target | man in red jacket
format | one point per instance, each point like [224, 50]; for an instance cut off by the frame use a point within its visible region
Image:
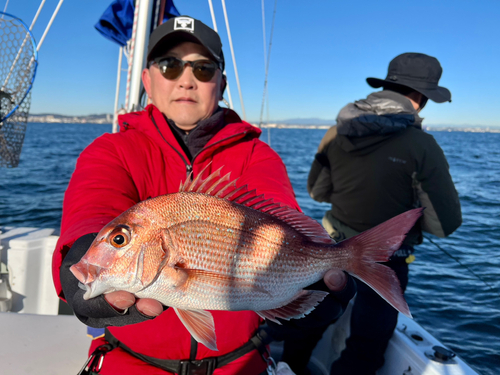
[179, 134]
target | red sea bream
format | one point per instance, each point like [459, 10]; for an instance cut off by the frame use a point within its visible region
[212, 246]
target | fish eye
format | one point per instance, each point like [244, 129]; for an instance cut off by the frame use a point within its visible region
[119, 237]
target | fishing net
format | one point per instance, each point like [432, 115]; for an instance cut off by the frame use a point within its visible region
[18, 63]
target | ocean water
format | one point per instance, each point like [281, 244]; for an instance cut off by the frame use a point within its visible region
[458, 303]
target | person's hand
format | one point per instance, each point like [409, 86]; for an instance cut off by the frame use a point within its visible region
[335, 279]
[121, 301]
[113, 309]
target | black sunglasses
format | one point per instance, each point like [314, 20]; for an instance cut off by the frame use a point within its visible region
[171, 68]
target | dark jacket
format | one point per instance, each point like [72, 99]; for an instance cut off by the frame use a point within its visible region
[377, 162]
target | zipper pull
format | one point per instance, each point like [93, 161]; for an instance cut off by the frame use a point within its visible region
[189, 170]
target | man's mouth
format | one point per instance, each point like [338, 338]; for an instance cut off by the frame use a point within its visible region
[185, 100]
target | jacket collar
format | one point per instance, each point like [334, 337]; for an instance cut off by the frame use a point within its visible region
[153, 123]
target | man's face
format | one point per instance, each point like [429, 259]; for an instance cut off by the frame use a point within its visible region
[184, 100]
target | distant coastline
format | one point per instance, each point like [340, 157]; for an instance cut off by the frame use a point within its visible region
[105, 118]
[312, 123]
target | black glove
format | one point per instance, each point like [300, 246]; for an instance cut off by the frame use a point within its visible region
[326, 313]
[95, 312]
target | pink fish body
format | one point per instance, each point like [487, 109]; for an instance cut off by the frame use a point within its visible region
[214, 247]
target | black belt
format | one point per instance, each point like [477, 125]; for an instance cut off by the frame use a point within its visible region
[205, 366]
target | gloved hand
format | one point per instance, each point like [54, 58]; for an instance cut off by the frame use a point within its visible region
[342, 289]
[113, 309]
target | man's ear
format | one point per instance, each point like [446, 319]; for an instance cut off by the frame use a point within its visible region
[223, 84]
[146, 81]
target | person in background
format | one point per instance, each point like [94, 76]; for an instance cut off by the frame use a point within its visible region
[182, 132]
[376, 163]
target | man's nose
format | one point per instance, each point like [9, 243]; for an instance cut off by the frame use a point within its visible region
[187, 79]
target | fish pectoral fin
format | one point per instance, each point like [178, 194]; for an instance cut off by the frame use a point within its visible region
[200, 324]
[299, 306]
[170, 247]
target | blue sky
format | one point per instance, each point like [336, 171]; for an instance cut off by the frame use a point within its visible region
[322, 52]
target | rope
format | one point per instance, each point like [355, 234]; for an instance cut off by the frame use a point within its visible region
[267, 65]
[463, 265]
[230, 104]
[234, 59]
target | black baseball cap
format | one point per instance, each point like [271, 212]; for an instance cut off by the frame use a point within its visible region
[185, 28]
[417, 71]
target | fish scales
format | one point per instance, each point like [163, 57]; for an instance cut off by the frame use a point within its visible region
[258, 252]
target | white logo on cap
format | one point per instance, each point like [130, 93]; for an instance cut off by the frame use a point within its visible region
[184, 23]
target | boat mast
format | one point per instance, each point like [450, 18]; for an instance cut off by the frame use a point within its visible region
[142, 25]
[136, 59]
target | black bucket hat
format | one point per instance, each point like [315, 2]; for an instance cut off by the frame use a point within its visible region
[185, 28]
[417, 71]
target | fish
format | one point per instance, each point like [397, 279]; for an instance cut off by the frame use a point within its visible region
[216, 246]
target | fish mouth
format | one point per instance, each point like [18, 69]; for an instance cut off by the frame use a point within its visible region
[87, 275]
[95, 289]
[85, 272]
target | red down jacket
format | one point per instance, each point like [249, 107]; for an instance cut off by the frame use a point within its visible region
[119, 170]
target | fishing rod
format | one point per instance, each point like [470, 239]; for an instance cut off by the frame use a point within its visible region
[463, 265]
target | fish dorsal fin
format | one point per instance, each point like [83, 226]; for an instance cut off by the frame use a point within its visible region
[224, 187]
[200, 324]
[302, 304]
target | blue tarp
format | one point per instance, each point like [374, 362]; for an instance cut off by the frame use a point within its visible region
[117, 20]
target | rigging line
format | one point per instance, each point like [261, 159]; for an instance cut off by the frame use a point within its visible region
[264, 32]
[49, 24]
[213, 14]
[37, 14]
[463, 265]
[5, 8]
[230, 104]
[234, 59]
[267, 64]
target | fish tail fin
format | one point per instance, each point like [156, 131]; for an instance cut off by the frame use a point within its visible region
[378, 245]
